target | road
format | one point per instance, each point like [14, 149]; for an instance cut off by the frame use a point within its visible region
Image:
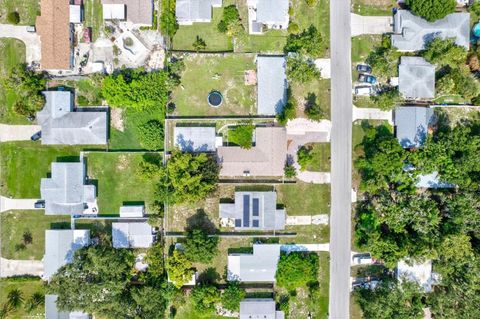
[341, 158]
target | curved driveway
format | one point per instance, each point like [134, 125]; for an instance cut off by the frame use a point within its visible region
[31, 40]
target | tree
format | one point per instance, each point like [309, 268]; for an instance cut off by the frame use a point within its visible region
[230, 23]
[387, 98]
[168, 21]
[289, 111]
[36, 300]
[313, 110]
[290, 171]
[297, 269]
[305, 156]
[15, 298]
[150, 135]
[155, 261]
[205, 297]
[200, 247]
[13, 17]
[179, 269]
[432, 10]
[199, 44]
[459, 81]
[301, 70]
[232, 295]
[309, 42]
[187, 178]
[293, 28]
[384, 59]
[445, 52]
[242, 135]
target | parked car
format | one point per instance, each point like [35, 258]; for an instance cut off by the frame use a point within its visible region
[363, 90]
[367, 78]
[39, 204]
[36, 136]
[364, 68]
[362, 259]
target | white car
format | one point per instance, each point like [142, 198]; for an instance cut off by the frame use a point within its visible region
[363, 90]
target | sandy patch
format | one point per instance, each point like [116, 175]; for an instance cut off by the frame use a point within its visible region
[116, 118]
[122, 162]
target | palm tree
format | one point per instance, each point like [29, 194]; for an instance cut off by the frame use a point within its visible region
[34, 301]
[5, 311]
[15, 298]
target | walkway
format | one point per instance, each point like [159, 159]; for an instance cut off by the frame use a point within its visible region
[372, 114]
[7, 204]
[31, 40]
[305, 247]
[370, 24]
[9, 267]
[307, 220]
[9, 133]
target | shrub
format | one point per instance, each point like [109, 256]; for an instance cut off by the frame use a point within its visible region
[290, 171]
[309, 42]
[293, 28]
[313, 110]
[232, 296]
[128, 41]
[459, 81]
[150, 135]
[13, 17]
[36, 300]
[311, 3]
[242, 135]
[179, 269]
[305, 157]
[205, 297]
[199, 44]
[431, 10]
[199, 247]
[297, 269]
[289, 111]
[168, 21]
[230, 23]
[301, 70]
[387, 98]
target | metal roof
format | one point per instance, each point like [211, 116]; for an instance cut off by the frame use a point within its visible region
[272, 84]
[261, 266]
[138, 12]
[189, 11]
[194, 139]
[259, 308]
[132, 235]
[273, 12]
[412, 33]
[113, 11]
[132, 211]
[75, 13]
[51, 311]
[416, 78]
[432, 180]
[416, 272]
[411, 124]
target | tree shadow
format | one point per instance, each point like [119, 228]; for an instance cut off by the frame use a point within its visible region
[200, 220]
[209, 276]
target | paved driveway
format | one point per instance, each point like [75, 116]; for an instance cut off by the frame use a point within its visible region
[9, 268]
[307, 220]
[9, 133]
[31, 40]
[371, 114]
[324, 66]
[370, 24]
[7, 204]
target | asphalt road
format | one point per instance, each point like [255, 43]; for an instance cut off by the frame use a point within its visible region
[341, 159]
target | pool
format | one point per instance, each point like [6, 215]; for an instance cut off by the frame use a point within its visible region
[476, 30]
[215, 99]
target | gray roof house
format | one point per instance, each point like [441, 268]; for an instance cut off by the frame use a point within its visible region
[189, 11]
[195, 139]
[60, 246]
[412, 124]
[420, 273]
[52, 312]
[132, 235]
[139, 12]
[412, 33]
[272, 84]
[65, 192]
[261, 266]
[254, 211]
[259, 308]
[416, 78]
[266, 158]
[61, 124]
[270, 13]
[432, 180]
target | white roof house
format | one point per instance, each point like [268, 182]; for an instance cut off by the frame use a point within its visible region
[132, 235]
[419, 273]
[272, 84]
[189, 11]
[52, 312]
[259, 308]
[75, 13]
[132, 211]
[270, 13]
[195, 139]
[261, 266]
[416, 78]
[138, 12]
[113, 11]
[60, 246]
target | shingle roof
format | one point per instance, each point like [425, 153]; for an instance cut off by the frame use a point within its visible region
[412, 123]
[272, 84]
[53, 27]
[416, 78]
[273, 12]
[62, 125]
[412, 33]
[138, 11]
[189, 11]
[260, 266]
[255, 211]
[259, 308]
[132, 235]
[266, 158]
[51, 311]
[60, 246]
[195, 139]
[65, 192]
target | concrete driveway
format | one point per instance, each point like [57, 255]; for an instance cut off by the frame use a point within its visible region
[10, 133]
[324, 66]
[9, 268]
[370, 24]
[31, 40]
[307, 220]
[7, 204]
[372, 114]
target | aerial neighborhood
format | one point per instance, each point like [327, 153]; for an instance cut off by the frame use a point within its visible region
[214, 159]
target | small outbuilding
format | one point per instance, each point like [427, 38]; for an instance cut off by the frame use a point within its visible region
[132, 211]
[264, 308]
[420, 273]
[52, 312]
[195, 138]
[188, 12]
[272, 84]
[132, 235]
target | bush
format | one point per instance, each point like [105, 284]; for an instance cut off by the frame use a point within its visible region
[199, 44]
[293, 28]
[297, 269]
[168, 21]
[305, 157]
[309, 42]
[232, 296]
[387, 98]
[459, 81]
[242, 135]
[290, 171]
[313, 110]
[13, 17]
[431, 10]
[230, 23]
[199, 247]
[311, 3]
[205, 297]
[289, 111]
[179, 269]
[128, 41]
[301, 70]
[150, 135]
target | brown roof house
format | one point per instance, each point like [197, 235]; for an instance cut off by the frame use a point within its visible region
[139, 12]
[266, 158]
[56, 34]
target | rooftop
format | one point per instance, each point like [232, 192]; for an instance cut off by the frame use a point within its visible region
[412, 33]
[132, 211]
[51, 310]
[132, 235]
[272, 84]
[273, 12]
[261, 266]
[432, 180]
[189, 11]
[195, 139]
[420, 273]
[412, 124]
[259, 308]
[416, 78]
[138, 12]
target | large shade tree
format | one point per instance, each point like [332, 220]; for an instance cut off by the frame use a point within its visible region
[432, 10]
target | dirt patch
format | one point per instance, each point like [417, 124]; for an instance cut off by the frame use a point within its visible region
[122, 163]
[116, 118]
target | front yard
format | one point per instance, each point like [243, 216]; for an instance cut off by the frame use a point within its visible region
[27, 10]
[304, 198]
[373, 7]
[28, 286]
[315, 92]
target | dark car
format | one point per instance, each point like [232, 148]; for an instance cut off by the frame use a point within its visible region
[39, 204]
[367, 78]
[36, 136]
[365, 68]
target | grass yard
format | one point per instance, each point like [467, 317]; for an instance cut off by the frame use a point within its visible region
[12, 52]
[117, 181]
[316, 91]
[28, 286]
[27, 9]
[23, 164]
[363, 102]
[373, 7]
[93, 12]
[307, 234]
[364, 44]
[186, 310]
[304, 198]
[272, 41]
[321, 158]
[14, 224]
[222, 73]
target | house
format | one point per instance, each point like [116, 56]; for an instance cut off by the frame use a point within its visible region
[416, 78]
[256, 308]
[412, 124]
[261, 266]
[272, 14]
[132, 235]
[66, 191]
[56, 34]
[272, 84]
[432, 180]
[138, 12]
[189, 11]
[62, 124]
[132, 211]
[254, 211]
[195, 138]
[52, 312]
[60, 245]
[266, 158]
[416, 272]
[412, 33]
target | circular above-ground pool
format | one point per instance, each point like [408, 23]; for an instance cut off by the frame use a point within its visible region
[215, 99]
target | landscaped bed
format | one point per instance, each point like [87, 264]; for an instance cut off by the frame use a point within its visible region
[27, 286]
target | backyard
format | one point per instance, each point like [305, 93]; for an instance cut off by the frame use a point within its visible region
[117, 180]
[93, 17]
[27, 10]
[221, 73]
[27, 286]
[23, 233]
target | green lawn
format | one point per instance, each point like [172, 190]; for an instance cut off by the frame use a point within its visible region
[363, 102]
[115, 175]
[272, 41]
[321, 158]
[28, 286]
[27, 9]
[14, 224]
[93, 12]
[186, 310]
[304, 198]
[373, 7]
[362, 46]
[307, 234]
[223, 73]
[23, 164]
[317, 90]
